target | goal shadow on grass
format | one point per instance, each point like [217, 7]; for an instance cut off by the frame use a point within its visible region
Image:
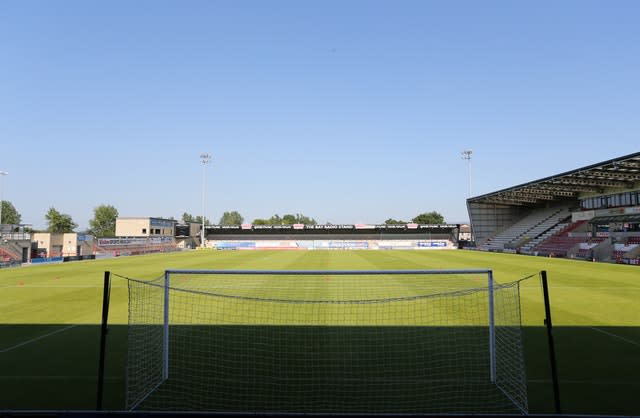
[323, 369]
[599, 372]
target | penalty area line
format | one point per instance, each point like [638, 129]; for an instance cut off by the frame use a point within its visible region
[56, 377]
[587, 382]
[32, 340]
[619, 337]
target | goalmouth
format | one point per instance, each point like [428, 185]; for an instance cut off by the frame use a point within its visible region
[317, 341]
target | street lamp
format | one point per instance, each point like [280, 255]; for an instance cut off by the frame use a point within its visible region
[466, 155]
[2, 174]
[205, 159]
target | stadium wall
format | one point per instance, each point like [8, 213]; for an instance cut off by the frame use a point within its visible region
[331, 244]
[332, 237]
[123, 246]
[145, 227]
[71, 244]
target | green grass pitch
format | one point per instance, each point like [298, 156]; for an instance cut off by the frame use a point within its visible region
[50, 315]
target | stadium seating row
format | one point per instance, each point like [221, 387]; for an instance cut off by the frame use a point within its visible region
[527, 229]
[550, 232]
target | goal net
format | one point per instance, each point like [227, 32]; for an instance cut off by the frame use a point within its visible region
[428, 341]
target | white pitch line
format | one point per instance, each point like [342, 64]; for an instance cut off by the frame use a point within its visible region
[58, 286]
[619, 289]
[57, 378]
[545, 381]
[588, 382]
[37, 338]
[637, 344]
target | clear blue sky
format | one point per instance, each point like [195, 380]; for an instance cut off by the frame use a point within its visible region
[345, 111]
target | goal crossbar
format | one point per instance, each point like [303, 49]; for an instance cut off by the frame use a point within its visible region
[329, 272]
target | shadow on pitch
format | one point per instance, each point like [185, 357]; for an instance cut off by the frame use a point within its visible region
[54, 367]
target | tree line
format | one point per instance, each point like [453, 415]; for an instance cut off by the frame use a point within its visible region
[235, 218]
[103, 223]
[427, 218]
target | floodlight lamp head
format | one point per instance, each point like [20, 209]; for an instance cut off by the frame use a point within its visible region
[466, 154]
[205, 158]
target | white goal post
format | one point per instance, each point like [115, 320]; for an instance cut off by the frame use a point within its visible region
[327, 341]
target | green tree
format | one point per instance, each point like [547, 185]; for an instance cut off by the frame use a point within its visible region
[231, 218]
[103, 223]
[429, 218]
[391, 221]
[198, 220]
[301, 219]
[10, 215]
[59, 222]
[289, 219]
[187, 217]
